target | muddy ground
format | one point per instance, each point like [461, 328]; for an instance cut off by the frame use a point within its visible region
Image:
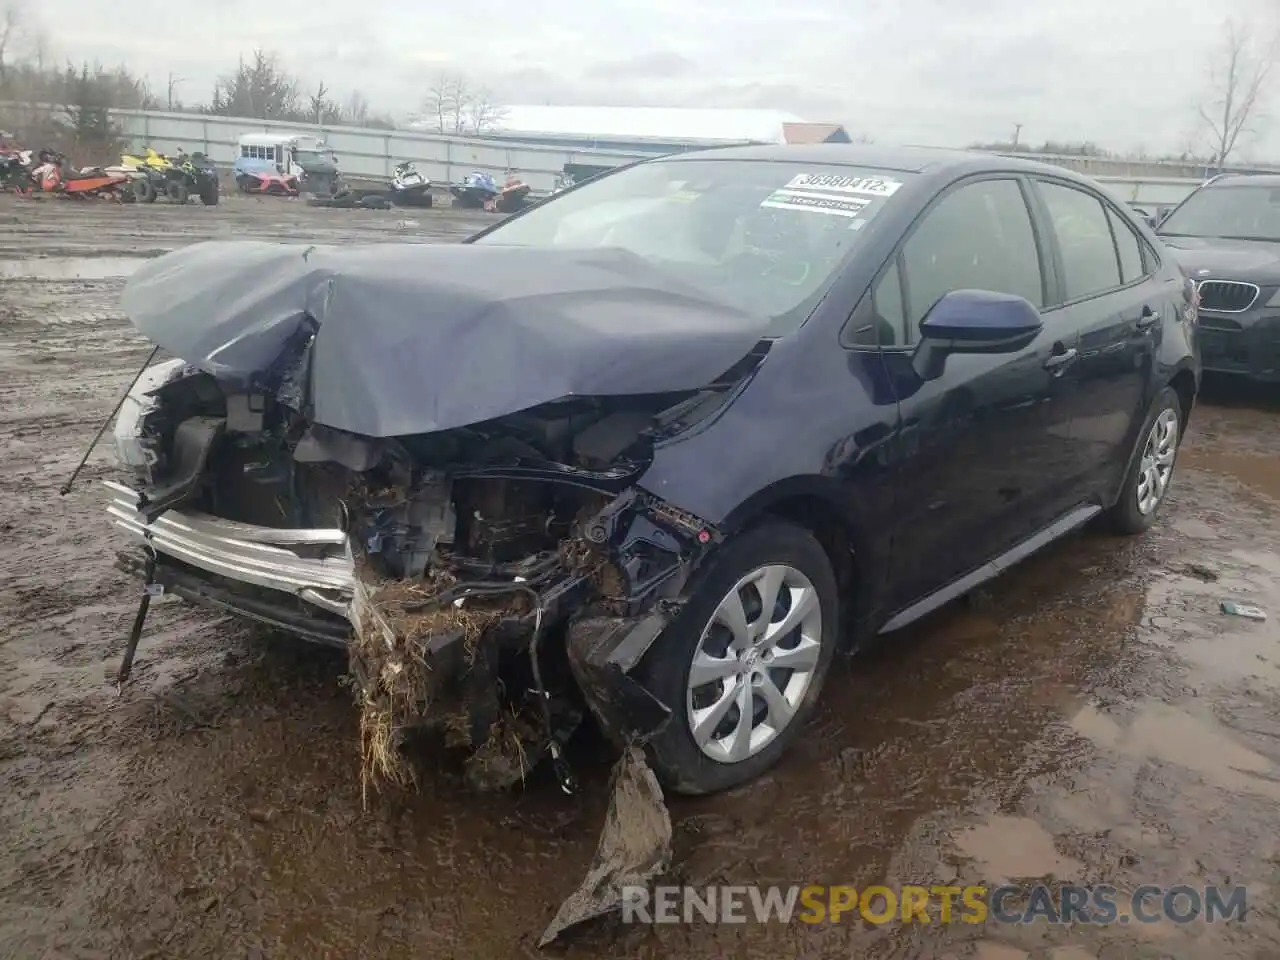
[1092, 717]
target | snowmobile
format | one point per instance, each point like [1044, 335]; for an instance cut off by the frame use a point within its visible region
[479, 191]
[55, 175]
[409, 188]
[475, 192]
[15, 172]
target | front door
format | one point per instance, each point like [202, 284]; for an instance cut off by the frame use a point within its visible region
[981, 449]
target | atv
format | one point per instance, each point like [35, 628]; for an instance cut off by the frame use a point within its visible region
[155, 175]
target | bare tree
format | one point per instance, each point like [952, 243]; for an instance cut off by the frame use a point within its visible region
[454, 106]
[357, 109]
[321, 109]
[448, 103]
[10, 26]
[1238, 83]
[482, 112]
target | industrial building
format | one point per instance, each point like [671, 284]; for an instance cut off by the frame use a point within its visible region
[655, 130]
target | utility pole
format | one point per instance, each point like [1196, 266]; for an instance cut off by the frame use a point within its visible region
[1017, 133]
[173, 85]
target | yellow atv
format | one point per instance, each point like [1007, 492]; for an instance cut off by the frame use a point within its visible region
[156, 174]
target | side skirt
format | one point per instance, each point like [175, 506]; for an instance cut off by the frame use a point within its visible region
[958, 588]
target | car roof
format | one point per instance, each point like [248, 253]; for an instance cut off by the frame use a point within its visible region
[1245, 180]
[904, 159]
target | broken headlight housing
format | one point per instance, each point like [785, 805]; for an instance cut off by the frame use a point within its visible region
[135, 449]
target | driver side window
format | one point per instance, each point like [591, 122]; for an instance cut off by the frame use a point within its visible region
[978, 237]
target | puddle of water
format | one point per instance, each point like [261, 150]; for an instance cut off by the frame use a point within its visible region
[70, 268]
[1161, 732]
[1070, 953]
[1195, 528]
[1187, 618]
[990, 950]
[1009, 847]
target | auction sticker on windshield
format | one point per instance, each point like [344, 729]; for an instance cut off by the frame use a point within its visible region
[816, 202]
[870, 186]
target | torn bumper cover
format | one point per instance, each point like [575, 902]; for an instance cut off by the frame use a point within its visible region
[304, 582]
[602, 653]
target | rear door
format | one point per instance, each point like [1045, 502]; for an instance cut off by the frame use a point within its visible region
[1109, 289]
[981, 447]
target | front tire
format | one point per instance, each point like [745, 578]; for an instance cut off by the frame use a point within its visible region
[144, 191]
[1151, 473]
[741, 677]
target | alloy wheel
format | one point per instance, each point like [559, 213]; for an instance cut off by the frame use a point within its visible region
[1158, 455]
[754, 663]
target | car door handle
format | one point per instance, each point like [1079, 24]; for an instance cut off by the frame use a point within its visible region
[1147, 318]
[1059, 361]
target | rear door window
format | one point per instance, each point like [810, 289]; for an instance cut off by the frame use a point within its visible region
[1090, 263]
[1129, 247]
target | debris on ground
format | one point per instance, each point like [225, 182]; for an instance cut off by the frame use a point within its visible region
[634, 847]
[1202, 572]
[1248, 611]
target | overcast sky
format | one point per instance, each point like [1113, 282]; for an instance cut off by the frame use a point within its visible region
[1124, 73]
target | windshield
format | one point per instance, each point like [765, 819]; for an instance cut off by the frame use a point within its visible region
[766, 237]
[1234, 212]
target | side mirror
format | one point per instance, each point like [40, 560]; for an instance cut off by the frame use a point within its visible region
[974, 321]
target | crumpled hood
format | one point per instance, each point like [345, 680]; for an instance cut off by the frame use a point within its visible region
[415, 338]
[1254, 261]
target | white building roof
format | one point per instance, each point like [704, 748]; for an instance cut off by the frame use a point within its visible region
[645, 123]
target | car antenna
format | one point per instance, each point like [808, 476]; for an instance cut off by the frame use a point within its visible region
[66, 487]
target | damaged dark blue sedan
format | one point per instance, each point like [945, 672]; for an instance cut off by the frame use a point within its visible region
[654, 451]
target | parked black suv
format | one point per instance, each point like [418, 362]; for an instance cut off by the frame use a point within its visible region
[1226, 237]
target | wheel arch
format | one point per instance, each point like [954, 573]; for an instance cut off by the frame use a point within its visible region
[821, 506]
[1185, 386]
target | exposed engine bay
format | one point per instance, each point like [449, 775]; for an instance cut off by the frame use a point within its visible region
[381, 449]
[489, 564]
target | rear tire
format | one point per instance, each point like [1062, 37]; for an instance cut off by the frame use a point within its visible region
[209, 194]
[1151, 473]
[724, 752]
[178, 191]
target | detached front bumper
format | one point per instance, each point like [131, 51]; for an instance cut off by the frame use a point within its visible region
[603, 653]
[274, 575]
